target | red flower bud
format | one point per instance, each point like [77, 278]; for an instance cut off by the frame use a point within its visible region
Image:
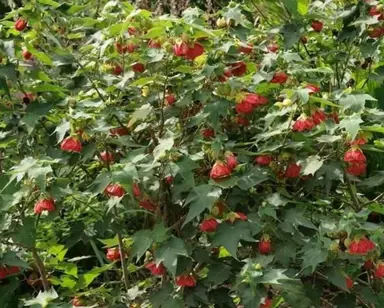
[185, 281]
[361, 246]
[132, 30]
[267, 303]
[106, 157]
[154, 44]
[279, 77]
[231, 160]
[354, 155]
[130, 47]
[237, 69]
[136, 190]
[220, 170]
[246, 48]
[292, 171]
[156, 270]
[44, 205]
[304, 40]
[273, 47]
[209, 225]
[114, 190]
[120, 48]
[148, 205]
[194, 51]
[357, 169]
[318, 116]
[71, 144]
[170, 99]
[117, 70]
[113, 254]
[180, 49]
[303, 123]
[312, 88]
[263, 160]
[265, 246]
[349, 282]
[27, 55]
[379, 271]
[317, 25]
[119, 131]
[20, 24]
[138, 67]
[208, 133]
[77, 302]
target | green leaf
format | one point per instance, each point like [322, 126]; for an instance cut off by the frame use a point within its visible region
[169, 251]
[291, 34]
[328, 139]
[49, 2]
[351, 124]
[356, 102]
[142, 240]
[165, 298]
[218, 273]
[312, 164]
[39, 55]
[313, 257]
[374, 181]
[47, 87]
[7, 293]
[337, 277]
[302, 6]
[140, 114]
[161, 149]
[229, 235]
[200, 198]
[4, 86]
[87, 278]
[62, 129]
[110, 242]
[11, 259]
[26, 232]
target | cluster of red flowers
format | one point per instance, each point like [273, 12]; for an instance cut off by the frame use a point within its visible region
[305, 123]
[144, 201]
[190, 52]
[361, 246]
[44, 205]
[357, 162]
[222, 170]
[250, 102]
[6, 271]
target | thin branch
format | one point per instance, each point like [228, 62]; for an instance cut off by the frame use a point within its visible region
[41, 268]
[122, 257]
[261, 13]
[352, 193]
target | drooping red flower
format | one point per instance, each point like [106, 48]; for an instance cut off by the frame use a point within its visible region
[374, 11]
[292, 171]
[132, 30]
[379, 271]
[368, 264]
[208, 133]
[27, 55]
[169, 179]
[267, 303]
[354, 155]
[107, 157]
[121, 49]
[117, 69]
[71, 144]
[130, 47]
[119, 131]
[237, 69]
[114, 190]
[359, 141]
[148, 205]
[317, 25]
[246, 48]
[349, 282]
[220, 170]
[194, 50]
[240, 216]
[20, 24]
[11, 270]
[318, 116]
[138, 67]
[313, 88]
[156, 270]
[209, 225]
[357, 169]
[77, 302]
[185, 281]
[154, 44]
[265, 246]
[242, 121]
[255, 100]
[361, 246]
[136, 190]
[303, 123]
[3, 272]
[273, 47]
[180, 49]
[170, 99]
[113, 254]
[279, 77]
[263, 160]
[28, 98]
[47, 204]
[231, 160]
[375, 32]
[244, 107]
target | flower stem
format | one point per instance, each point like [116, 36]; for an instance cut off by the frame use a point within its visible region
[40, 267]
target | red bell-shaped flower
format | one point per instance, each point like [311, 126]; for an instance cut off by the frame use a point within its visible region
[20, 24]
[236, 69]
[185, 281]
[317, 25]
[107, 157]
[349, 282]
[209, 225]
[379, 271]
[180, 49]
[71, 144]
[154, 44]
[170, 99]
[27, 55]
[255, 100]
[117, 70]
[113, 254]
[354, 155]
[273, 47]
[357, 169]
[119, 131]
[208, 133]
[231, 160]
[361, 246]
[318, 116]
[194, 51]
[279, 77]
[263, 160]
[136, 190]
[220, 170]
[265, 246]
[303, 123]
[244, 107]
[148, 205]
[156, 270]
[44, 205]
[114, 190]
[312, 88]
[292, 171]
[267, 303]
[138, 67]
[246, 48]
